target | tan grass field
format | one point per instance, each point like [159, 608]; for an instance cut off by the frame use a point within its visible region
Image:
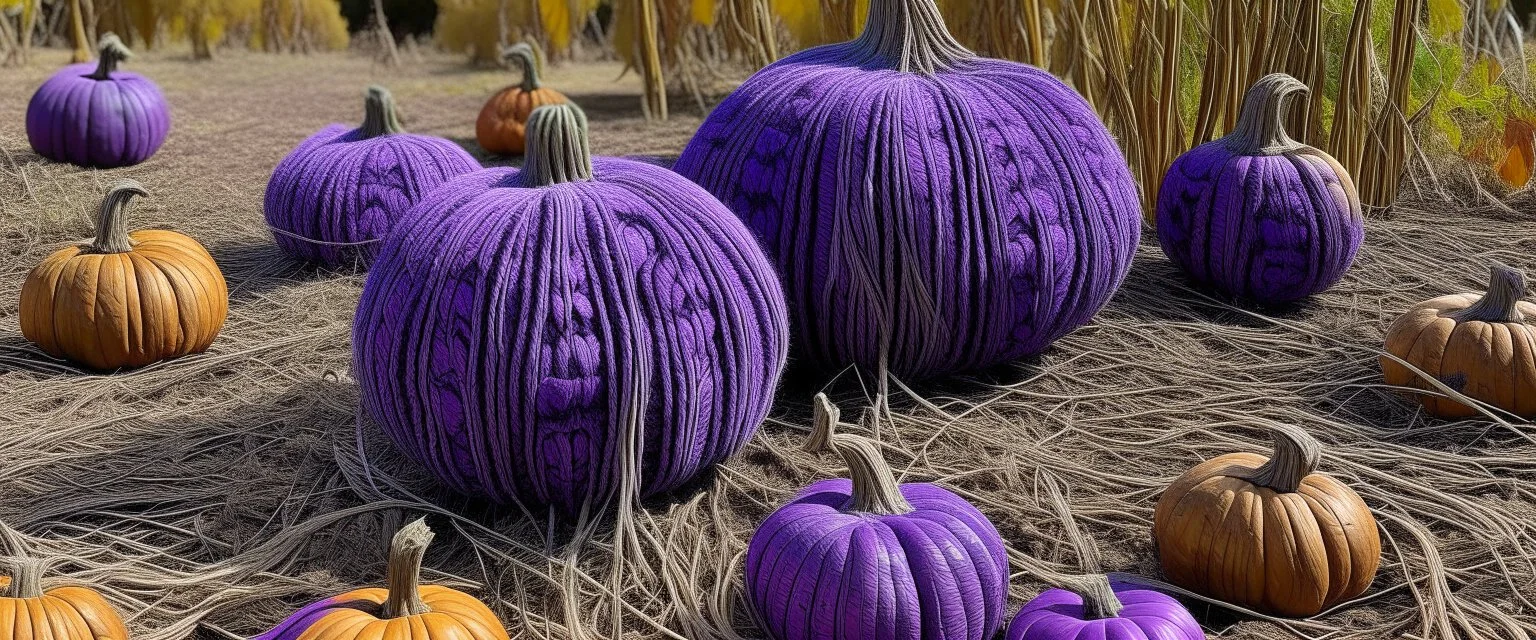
[211, 495]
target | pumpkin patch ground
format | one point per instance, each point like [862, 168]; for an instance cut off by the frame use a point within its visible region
[214, 494]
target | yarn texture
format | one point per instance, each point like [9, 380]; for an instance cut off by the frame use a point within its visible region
[868, 559]
[93, 115]
[336, 195]
[945, 211]
[575, 332]
[1259, 216]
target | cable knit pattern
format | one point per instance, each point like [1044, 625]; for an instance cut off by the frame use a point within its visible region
[1263, 219]
[817, 569]
[957, 219]
[538, 343]
[336, 195]
[93, 115]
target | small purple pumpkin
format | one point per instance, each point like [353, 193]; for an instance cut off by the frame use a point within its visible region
[580, 331]
[96, 116]
[1259, 216]
[337, 194]
[931, 211]
[1093, 608]
[866, 558]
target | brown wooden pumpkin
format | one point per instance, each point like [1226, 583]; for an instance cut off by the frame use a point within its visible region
[125, 299]
[500, 127]
[405, 610]
[1269, 535]
[1482, 346]
[65, 613]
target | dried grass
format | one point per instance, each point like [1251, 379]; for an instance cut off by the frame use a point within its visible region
[213, 494]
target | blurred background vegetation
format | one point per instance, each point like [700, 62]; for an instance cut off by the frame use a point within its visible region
[1398, 85]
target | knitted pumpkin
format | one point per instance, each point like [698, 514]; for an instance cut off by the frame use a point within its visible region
[500, 129]
[577, 331]
[866, 559]
[403, 610]
[125, 299]
[336, 195]
[96, 116]
[1257, 215]
[930, 211]
[1480, 345]
[1093, 608]
[1270, 535]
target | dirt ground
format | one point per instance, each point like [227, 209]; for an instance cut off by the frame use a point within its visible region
[211, 495]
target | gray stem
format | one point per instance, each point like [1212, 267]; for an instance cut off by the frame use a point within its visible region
[558, 150]
[379, 116]
[112, 217]
[26, 576]
[909, 34]
[1099, 599]
[1506, 286]
[403, 575]
[1295, 457]
[110, 51]
[522, 55]
[823, 424]
[874, 486]
[1260, 128]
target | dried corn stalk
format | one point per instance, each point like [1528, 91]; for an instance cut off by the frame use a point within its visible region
[1387, 144]
[1352, 106]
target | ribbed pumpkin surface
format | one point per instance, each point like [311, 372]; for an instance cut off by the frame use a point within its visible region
[545, 343]
[952, 218]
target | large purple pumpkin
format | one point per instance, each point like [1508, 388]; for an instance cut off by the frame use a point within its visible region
[578, 331]
[928, 207]
[336, 195]
[867, 559]
[1096, 609]
[1257, 215]
[96, 116]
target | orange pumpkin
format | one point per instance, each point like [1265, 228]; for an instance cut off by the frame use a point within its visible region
[500, 127]
[405, 610]
[1482, 346]
[69, 613]
[125, 299]
[1270, 535]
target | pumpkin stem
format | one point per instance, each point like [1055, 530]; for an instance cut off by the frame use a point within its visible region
[111, 51]
[522, 55]
[379, 116]
[909, 34]
[1296, 456]
[1260, 128]
[823, 424]
[112, 218]
[1506, 286]
[1099, 599]
[403, 575]
[874, 486]
[27, 576]
[558, 150]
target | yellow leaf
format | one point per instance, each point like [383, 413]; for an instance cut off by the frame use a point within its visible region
[1445, 18]
[1515, 167]
[558, 22]
[704, 12]
[802, 19]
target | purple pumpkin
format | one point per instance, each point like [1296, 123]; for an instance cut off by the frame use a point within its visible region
[930, 210]
[96, 116]
[337, 194]
[866, 558]
[1096, 609]
[575, 332]
[1259, 216]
